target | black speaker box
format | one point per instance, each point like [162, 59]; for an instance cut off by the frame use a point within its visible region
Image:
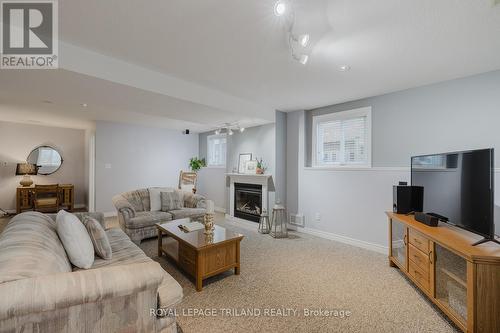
[430, 220]
[407, 199]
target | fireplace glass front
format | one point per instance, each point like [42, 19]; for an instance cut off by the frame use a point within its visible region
[248, 201]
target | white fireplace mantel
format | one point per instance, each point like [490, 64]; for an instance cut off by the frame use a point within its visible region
[266, 181]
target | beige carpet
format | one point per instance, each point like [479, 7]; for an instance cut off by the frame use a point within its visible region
[304, 272]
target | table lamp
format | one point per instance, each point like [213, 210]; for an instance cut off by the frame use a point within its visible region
[25, 170]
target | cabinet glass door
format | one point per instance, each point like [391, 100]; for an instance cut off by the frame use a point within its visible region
[451, 282]
[398, 242]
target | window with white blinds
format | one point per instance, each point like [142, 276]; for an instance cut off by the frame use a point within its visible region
[342, 138]
[216, 150]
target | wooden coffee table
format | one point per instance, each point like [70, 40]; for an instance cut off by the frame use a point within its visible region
[197, 254]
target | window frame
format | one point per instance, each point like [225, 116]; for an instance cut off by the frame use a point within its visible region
[343, 115]
[210, 137]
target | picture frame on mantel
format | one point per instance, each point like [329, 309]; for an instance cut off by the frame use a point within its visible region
[242, 160]
[251, 167]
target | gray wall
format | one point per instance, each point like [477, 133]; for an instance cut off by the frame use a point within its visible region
[453, 115]
[281, 165]
[139, 157]
[212, 180]
[292, 160]
[258, 140]
[17, 141]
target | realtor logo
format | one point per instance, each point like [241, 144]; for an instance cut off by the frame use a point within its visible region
[29, 34]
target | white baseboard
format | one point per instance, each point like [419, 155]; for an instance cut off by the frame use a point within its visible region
[220, 210]
[323, 234]
[346, 240]
[110, 214]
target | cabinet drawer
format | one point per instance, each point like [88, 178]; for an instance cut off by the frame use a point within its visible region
[418, 240]
[187, 259]
[419, 275]
[419, 258]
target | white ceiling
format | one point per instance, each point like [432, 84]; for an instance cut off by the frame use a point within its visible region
[238, 49]
[55, 97]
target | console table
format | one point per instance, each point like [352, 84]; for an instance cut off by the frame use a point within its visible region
[25, 195]
[461, 279]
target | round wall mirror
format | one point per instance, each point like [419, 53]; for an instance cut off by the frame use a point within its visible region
[47, 159]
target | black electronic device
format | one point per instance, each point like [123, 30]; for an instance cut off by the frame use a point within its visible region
[430, 220]
[407, 199]
[459, 189]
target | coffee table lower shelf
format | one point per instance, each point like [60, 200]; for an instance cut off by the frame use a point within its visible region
[200, 263]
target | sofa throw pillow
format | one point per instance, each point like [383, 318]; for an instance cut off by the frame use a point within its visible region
[98, 237]
[75, 239]
[155, 197]
[172, 200]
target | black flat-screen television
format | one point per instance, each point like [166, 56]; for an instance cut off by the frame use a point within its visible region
[458, 188]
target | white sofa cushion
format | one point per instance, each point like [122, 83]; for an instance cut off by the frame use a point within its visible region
[155, 197]
[75, 239]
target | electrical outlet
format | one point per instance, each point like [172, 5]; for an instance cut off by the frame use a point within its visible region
[318, 217]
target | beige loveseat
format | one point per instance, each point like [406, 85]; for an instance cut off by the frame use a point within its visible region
[137, 219]
[40, 291]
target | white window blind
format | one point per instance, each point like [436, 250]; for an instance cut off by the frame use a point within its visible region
[216, 150]
[343, 138]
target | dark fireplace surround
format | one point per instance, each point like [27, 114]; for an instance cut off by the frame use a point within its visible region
[247, 201]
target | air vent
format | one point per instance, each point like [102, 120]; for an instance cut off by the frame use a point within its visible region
[298, 220]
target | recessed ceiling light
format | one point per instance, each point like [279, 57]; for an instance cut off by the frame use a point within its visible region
[84, 105]
[279, 8]
[345, 68]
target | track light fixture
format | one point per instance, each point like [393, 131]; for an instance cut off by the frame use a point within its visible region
[285, 8]
[229, 129]
[303, 58]
[303, 40]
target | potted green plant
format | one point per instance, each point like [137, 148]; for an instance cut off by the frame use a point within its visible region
[261, 168]
[196, 164]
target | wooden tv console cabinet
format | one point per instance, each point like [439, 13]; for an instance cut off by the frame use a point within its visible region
[461, 279]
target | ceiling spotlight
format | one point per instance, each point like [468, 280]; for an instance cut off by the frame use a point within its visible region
[242, 129]
[279, 8]
[217, 131]
[345, 68]
[84, 105]
[303, 58]
[303, 40]
[230, 132]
